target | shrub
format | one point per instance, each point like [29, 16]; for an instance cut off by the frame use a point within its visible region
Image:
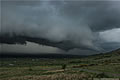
[64, 66]
[101, 75]
[30, 69]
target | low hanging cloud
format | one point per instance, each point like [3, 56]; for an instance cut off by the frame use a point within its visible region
[29, 48]
[77, 22]
[111, 35]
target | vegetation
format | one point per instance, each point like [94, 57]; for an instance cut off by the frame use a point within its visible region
[64, 66]
[97, 66]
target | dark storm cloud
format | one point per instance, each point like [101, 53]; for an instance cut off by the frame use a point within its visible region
[110, 46]
[99, 15]
[74, 21]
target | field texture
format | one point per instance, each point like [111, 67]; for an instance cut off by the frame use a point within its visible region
[97, 66]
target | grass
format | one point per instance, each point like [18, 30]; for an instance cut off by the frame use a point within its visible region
[52, 69]
[53, 77]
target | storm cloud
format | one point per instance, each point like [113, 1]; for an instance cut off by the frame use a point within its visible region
[77, 22]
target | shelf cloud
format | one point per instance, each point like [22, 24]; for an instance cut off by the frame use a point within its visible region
[77, 23]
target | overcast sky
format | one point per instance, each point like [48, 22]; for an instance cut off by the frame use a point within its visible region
[92, 26]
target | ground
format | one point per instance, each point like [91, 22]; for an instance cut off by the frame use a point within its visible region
[105, 65]
[52, 69]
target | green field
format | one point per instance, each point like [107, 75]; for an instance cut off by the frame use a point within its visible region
[98, 66]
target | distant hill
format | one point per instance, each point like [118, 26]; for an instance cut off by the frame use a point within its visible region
[39, 55]
[111, 57]
[115, 52]
[112, 53]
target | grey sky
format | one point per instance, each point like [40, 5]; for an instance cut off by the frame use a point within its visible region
[112, 35]
[86, 24]
[29, 48]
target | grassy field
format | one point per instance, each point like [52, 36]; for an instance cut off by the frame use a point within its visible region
[98, 66]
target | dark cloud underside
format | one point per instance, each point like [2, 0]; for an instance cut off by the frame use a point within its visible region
[67, 24]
